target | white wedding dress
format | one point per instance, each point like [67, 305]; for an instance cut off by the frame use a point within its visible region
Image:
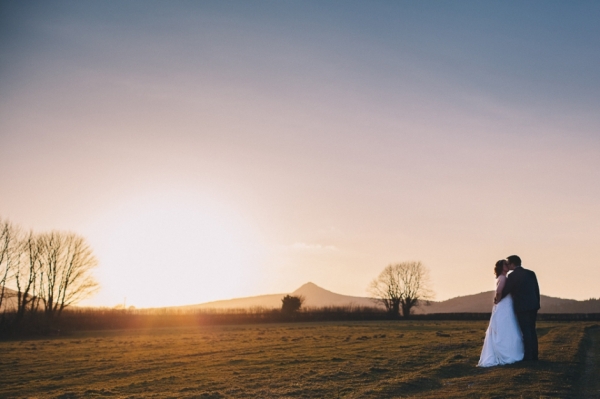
[503, 340]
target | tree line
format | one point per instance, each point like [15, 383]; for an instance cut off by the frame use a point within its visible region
[42, 273]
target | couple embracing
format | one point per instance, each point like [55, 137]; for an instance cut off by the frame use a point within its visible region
[511, 335]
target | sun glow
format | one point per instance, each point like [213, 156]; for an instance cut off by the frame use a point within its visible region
[165, 251]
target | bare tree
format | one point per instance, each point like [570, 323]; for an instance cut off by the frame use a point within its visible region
[402, 286]
[8, 238]
[67, 262]
[26, 277]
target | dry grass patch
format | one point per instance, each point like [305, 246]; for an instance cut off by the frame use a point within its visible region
[352, 360]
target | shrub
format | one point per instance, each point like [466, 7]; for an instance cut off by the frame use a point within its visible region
[291, 304]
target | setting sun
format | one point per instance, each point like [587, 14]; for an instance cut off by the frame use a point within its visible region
[162, 250]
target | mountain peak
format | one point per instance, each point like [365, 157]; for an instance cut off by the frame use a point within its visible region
[311, 288]
[317, 296]
[309, 285]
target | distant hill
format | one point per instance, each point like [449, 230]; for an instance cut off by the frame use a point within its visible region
[483, 302]
[261, 301]
[316, 296]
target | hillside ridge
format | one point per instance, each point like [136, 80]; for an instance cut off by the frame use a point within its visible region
[316, 296]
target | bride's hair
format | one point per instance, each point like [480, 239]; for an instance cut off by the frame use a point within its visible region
[499, 267]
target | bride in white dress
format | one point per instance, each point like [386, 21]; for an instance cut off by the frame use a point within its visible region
[503, 340]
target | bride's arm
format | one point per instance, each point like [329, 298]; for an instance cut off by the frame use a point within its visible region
[500, 286]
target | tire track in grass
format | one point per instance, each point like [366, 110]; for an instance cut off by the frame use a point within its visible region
[590, 381]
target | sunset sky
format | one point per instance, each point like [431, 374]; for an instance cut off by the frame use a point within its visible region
[218, 149]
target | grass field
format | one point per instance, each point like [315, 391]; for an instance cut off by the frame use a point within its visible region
[423, 359]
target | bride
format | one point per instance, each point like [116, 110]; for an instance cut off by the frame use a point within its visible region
[503, 340]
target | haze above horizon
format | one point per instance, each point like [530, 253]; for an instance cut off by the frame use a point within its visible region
[219, 150]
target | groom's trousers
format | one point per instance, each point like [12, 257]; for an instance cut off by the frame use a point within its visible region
[527, 323]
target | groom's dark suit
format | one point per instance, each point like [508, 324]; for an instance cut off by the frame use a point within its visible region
[523, 286]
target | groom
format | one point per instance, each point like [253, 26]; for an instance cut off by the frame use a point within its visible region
[523, 286]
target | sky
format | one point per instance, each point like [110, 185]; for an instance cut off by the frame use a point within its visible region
[212, 150]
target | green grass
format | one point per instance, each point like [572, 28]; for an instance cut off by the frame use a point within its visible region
[424, 359]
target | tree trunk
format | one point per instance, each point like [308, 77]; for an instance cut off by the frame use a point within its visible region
[396, 309]
[406, 310]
